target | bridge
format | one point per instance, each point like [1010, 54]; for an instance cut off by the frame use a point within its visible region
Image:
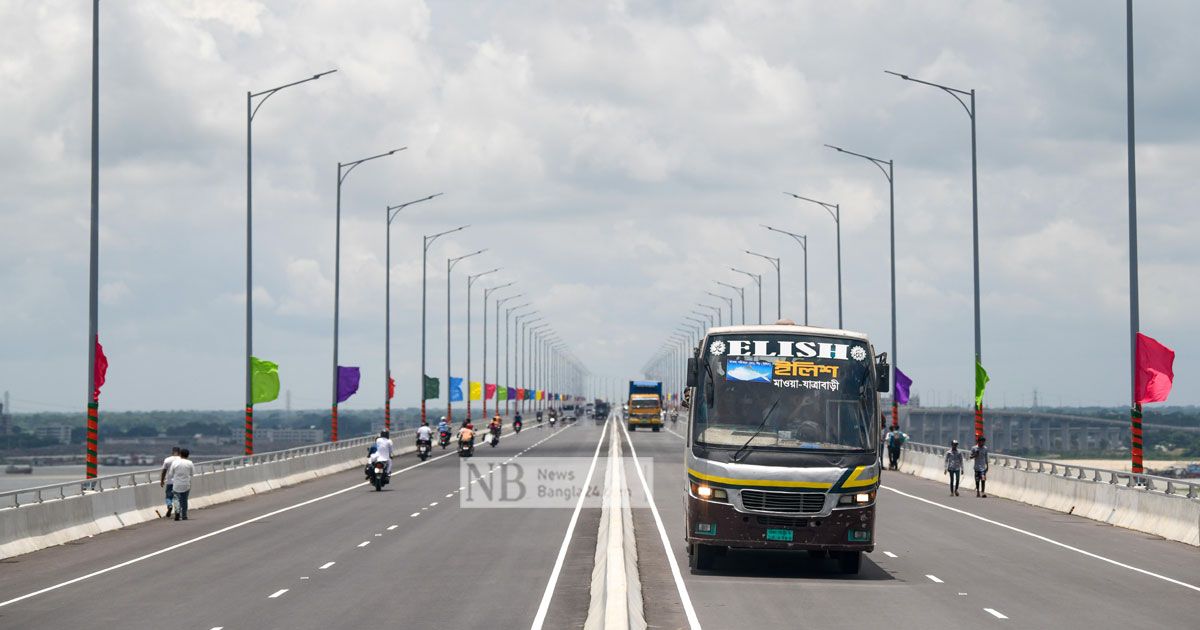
[332, 553]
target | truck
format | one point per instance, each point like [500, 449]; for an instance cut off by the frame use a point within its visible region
[782, 447]
[645, 405]
[600, 411]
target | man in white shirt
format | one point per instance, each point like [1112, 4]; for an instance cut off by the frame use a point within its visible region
[180, 475]
[162, 479]
[383, 450]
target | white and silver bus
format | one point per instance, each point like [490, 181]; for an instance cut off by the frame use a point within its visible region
[782, 445]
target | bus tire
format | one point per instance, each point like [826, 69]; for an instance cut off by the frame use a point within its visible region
[701, 557]
[632, 427]
[655, 429]
[849, 562]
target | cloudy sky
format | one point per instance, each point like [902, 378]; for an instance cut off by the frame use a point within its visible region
[615, 158]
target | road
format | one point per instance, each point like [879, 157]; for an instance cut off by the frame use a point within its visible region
[936, 566]
[332, 553]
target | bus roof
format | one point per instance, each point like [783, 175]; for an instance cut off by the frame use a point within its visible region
[789, 329]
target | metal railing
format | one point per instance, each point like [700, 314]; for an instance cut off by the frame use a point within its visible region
[58, 491]
[1152, 483]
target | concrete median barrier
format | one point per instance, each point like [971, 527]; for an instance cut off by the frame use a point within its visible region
[1135, 504]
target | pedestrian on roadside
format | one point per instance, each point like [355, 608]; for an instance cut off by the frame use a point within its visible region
[954, 466]
[162, 479]
[180, 475]
[896, 440]
[979, 453]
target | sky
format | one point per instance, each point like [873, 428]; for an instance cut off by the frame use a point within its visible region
[615, 159]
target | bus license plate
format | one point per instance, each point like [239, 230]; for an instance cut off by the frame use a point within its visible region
[779, 534]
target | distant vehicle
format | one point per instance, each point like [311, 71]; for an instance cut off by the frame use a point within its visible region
[601, 411]
[18, 469]
[645, 405]
[781, 451]
[569, 412]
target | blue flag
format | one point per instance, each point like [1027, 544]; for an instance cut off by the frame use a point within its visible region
[456, 392]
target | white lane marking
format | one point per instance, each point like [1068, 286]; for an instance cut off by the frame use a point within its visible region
[326, 565]
[378, 535]
[995, 613]
[676, 434]
[229, 528]
[303, 577]
[1045, 539]
[962, 593]
[450, 495]
[433, 504]
[277, 593]
[935, 578]
[544, 606]
[391, 527]
[414, 514]
[889, 554]
[688, 609]
[218, 628]
[461, 488]
[364, 543]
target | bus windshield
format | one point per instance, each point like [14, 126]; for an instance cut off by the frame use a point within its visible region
[776, 391]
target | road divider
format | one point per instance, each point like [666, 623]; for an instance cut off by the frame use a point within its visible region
[616, 589]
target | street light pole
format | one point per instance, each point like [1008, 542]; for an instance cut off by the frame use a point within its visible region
[741, 294]
[470, 282]
[889, 174]
[428, 240]
[507, 363]
[343, 171]
[727, 299]
[716, 309]
[835, 210]
[779, 284]
[711, 321]
[970, 109]
[802, 239]
[450, 264]
[757, 278]
[251, 110]
[392, 213]
[500, 302]
[487, 293]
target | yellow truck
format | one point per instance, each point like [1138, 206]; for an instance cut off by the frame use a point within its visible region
[645, 405]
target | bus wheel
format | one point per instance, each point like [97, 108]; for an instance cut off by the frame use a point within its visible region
[655, 429]
[632, 427]
[849, 562]
[701, 556]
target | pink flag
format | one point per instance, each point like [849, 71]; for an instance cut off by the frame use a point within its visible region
[489, 391]
[1154, 370]
[101, 371]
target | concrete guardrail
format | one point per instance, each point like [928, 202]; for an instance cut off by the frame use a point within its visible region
[1156, 505]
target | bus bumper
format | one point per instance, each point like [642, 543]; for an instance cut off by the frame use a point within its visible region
[718, 524]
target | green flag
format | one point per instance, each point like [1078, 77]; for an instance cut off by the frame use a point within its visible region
[264, 381]
[432, 387]
[981, 381]
[501, 393]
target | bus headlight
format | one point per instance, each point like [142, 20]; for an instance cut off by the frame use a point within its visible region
[708, 493]
[858, 498]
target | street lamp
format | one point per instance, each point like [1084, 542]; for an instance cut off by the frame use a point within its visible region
[487, 293]
[889, 173]
[757, 278]
[716, 309]
[508, 312]
[343, 171]
[970, 109]
[450, 264]
[470, 282]
[251, 110]
[518, 332]
[392, 213]
[802, 239]
[428, 240]
[741, 294]
[728, 300]
[835, 210]
[701, 325]
[778, 283]
[706, 315]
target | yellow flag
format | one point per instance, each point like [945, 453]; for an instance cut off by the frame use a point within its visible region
[476, 390]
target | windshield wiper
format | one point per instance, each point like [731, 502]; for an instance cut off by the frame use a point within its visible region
[736, 457]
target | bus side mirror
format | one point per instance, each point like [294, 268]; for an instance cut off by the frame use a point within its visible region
[691, 372]
[883, 374]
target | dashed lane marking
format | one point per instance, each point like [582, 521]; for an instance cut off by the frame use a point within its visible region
[277, 593]
[414, 514]
[326, 565]
[934, 578]
[364, 543]
[995, 613]
[889, 554]
[391, 527]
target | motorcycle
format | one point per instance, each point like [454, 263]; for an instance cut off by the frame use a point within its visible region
[466, 448]
[495, 435]
[516, 426]
[443, 439]
[553, 420]
[539, 417]
[377, 474]
[674, 417]
[423, 449]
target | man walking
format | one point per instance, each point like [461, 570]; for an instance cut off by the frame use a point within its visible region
[180, 475]
[954, 465]
[162, 479]
[979, 453]
[896, 439]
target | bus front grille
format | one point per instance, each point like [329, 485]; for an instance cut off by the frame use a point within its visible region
[791, 502]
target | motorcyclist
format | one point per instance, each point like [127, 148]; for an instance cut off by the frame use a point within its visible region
[383, 450]
[466, 435]
[517, 421]
[539, 416]
[424, 434]
[494, 425]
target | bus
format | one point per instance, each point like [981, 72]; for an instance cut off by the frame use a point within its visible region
[782, 447]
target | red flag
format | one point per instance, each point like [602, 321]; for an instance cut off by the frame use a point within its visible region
[1154, 370]
[391, 388]
[489, 391]
[101, 371]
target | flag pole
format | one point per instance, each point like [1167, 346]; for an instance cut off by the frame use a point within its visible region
[1135, 416]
